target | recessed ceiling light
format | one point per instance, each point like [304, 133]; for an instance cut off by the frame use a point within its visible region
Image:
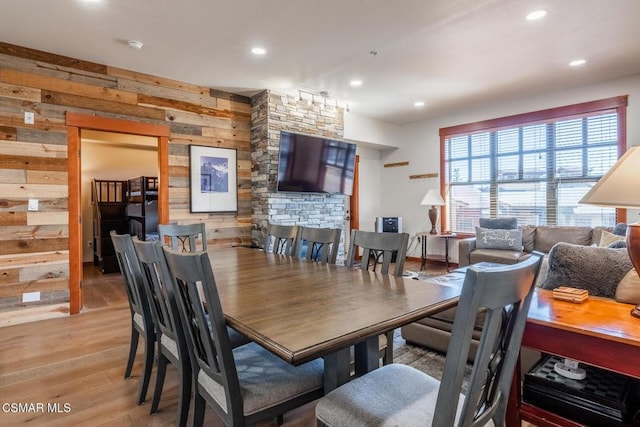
[418, 104]
[536, 14]
[259, 51]
[577, 62]
[356, 83]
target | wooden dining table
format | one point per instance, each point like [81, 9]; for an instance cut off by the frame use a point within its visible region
[301, 310]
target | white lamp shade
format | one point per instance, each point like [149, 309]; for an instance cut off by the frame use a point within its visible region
[432, 198]
[618, 187]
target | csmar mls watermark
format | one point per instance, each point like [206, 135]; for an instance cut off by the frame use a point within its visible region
[35, 407]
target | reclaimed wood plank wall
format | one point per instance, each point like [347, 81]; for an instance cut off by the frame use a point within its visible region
[34, 246]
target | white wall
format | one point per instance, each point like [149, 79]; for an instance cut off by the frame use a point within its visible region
[419, 144]
[369, 187]
[370, 133]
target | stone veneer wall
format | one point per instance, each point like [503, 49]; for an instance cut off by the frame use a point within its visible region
[270, 113]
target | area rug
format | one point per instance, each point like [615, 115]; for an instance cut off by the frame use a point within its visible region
[428, 361]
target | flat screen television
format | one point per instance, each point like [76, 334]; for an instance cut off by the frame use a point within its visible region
[312, 164]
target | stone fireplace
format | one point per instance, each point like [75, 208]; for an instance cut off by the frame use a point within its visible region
[272, 112]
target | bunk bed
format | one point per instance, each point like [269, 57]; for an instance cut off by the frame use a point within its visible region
[142, 207]
[109, 201]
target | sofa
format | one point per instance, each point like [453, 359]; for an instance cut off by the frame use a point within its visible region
[573, 256]
[534, 238]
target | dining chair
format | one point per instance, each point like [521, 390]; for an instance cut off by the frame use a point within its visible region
[142, 322]
[374, 246]
[401, 395]
[184, 237]
[321, 244]
[242, 385]
[172, 343]
[281, 239]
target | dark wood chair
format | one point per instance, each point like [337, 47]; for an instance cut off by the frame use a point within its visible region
[172, 343]
[142, 322]
[184, 237]
[380, 248]
[243, 385]
[401, 395]
[321, 244]
[281, 239]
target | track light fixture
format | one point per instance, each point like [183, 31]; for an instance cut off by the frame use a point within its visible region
[325, 96]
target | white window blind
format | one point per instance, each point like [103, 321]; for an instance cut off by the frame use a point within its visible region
[536, 170]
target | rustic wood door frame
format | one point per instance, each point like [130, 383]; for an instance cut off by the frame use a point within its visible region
[75, 124]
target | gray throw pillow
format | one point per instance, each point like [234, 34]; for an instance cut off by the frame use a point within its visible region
[620, 229]
[598, 270]
[487, 238]
[618, 244]
[507, 223]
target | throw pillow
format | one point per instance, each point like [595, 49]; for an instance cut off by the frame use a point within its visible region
[628, 289]
[618, 244]
[607, 238]
[620, 229]
[598, 270]
[509, 223]
[487, 238]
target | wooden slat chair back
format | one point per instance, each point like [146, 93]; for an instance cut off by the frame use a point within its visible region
[243, 385]
[399, 395]
[142, 322]
[184, 237]
[322, 244]
[376, 245]
[172, 344]
[281, 239]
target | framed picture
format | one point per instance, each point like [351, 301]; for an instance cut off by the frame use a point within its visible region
[213, 179]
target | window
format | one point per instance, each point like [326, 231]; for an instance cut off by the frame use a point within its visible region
[533, 166]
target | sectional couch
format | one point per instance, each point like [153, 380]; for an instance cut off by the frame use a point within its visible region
[574, 258]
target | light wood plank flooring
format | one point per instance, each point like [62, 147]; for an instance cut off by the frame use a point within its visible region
[69, 371]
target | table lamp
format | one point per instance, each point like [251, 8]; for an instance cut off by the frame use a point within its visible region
[618, 188]
[434, 199]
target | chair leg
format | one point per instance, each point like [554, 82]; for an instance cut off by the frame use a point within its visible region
[388, 352]
[160, 374]
[149, 350]
[184, 395]
[280, 419]
[133, 348]
[198, 410]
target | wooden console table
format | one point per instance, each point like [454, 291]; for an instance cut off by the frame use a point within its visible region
[599, 332]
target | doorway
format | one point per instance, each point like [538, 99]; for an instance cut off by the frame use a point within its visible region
[352, 209]
[76, 123]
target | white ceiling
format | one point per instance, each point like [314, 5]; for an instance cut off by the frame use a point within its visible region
[451, 54]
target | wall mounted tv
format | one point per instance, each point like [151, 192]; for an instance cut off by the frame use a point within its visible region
[312, 164]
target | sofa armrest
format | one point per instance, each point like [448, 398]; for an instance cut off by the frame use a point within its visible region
[465, 247]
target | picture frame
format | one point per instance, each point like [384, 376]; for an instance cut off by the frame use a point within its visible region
[213, 179]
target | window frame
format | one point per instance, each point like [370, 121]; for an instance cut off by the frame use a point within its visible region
[617, 104]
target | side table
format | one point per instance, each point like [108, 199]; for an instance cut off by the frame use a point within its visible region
[424, 235]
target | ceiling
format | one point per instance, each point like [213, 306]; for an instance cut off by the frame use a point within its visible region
[450, 54]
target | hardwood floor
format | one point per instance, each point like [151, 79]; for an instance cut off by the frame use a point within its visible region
[69, 371]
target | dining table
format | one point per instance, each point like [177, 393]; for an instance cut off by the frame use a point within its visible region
[302, 310]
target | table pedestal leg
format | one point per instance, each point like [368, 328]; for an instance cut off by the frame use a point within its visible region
[337, 369]
[367, 356]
